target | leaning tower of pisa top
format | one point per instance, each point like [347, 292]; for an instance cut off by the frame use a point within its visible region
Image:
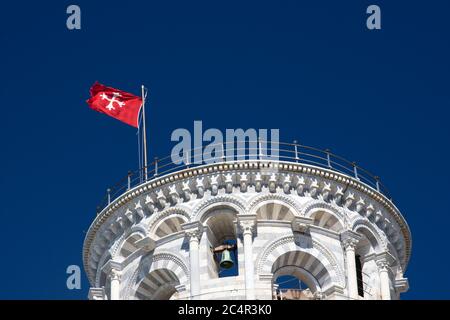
[174, 232]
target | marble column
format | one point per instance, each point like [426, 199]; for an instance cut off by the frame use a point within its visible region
[350, 240]
[194, 232]
[383, 268]
[247, 225]
[114, 277]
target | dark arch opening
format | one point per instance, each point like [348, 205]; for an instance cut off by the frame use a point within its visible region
[292, 288]
[359, 275]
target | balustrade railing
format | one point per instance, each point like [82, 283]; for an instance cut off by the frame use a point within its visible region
[252, 150]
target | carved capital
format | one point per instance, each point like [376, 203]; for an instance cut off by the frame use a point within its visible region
[193, 230]
[301, 224]
[350, 244]
[384, 261]
[246, 223]
[247, 226]
[350, 239]
[111, 266]
[115, 275]
[383, 265]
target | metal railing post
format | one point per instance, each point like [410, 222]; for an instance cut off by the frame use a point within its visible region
[296, 151]
[187, 160]
[328, 151]
[156, 167]
[355, 170]
[223, 153]
[260, 149]
[377, 183]
[337, 164]
[129, 180]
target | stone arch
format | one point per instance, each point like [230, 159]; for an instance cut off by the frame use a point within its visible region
[325, 218]
[287, 201]
[305, 244]
[216, 202]
[220, 222]
[274, 210]
[303, 266]
[159, 284]
[324, 215]
[136, 229]
[129, 245]
[218, 218]
[168, 225]
[301, 274]
[177, 270]
[361, 225]
[167, 213]
[369, 245]
[313, 205]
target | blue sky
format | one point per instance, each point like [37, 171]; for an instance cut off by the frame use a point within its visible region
[309, 68]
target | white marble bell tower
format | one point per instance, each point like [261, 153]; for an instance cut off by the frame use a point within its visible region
[339, 236]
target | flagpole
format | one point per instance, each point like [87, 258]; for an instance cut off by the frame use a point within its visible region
[145, 133]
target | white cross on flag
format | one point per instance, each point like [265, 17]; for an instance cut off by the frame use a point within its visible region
[116, 103]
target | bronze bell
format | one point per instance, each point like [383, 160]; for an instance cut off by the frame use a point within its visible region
[226, 262]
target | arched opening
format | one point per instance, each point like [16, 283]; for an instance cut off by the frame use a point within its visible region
[366, 268]
[169, 225]
[274, 211]
[129, 245]
[299, 276]
[289, 287]
[222, 253]
[160, 284]
[359, 275]
[325, 219]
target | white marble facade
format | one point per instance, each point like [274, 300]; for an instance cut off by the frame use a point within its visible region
[154, 241]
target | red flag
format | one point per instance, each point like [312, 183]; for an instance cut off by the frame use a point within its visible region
[116, 103]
